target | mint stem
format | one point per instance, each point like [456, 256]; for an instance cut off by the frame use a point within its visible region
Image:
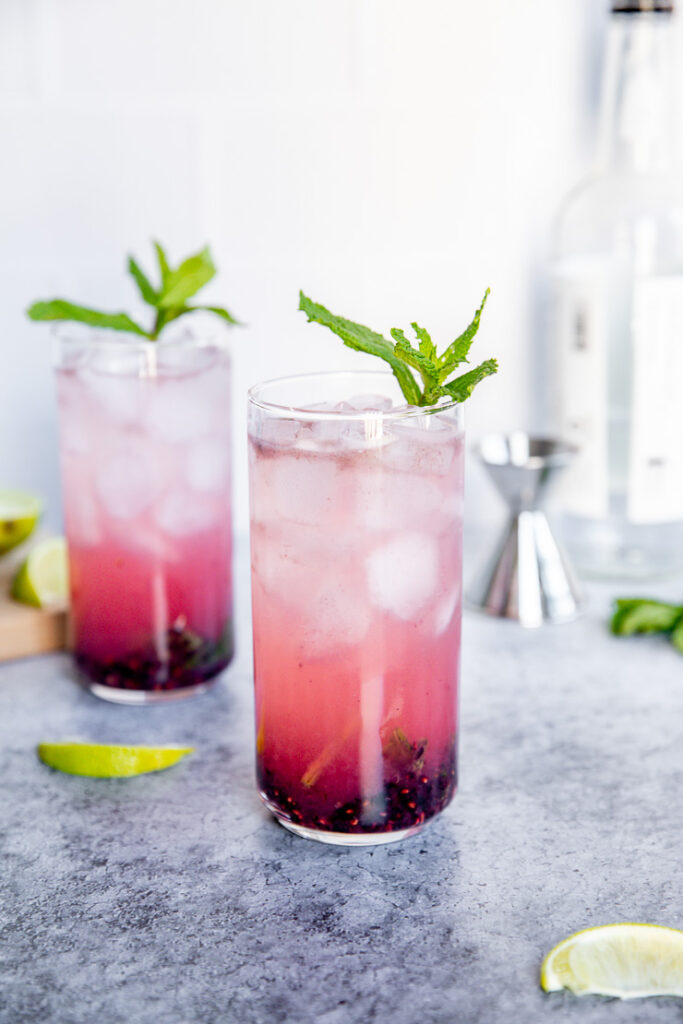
[169, 301]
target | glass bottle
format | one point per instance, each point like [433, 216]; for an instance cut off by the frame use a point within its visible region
[618, 314]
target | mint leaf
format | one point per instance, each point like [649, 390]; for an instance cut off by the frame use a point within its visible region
[677, 635]
[427, 346]
[145, 287]
[462, 387]
[164, 317]
[418, 361]
[162, 260]
[641, 615]
[170, 301]
[218, 310]
[403, 357]
[59, 309]
[400, 752]
[186, 280]
[458, 350]
[362, 339]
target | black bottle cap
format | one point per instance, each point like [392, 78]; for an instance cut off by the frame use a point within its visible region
[642, 6]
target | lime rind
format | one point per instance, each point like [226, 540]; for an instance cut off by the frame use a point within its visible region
[624, 961]
[106, 761]
[19, 515]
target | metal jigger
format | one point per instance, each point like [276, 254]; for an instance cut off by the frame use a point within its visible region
[529, 578]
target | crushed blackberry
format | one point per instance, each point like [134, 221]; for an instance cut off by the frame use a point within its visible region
[191, 660]
[406, 802]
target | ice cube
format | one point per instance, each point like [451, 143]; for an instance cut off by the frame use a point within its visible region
[332, 610]
[127, 483]
[326, 432]
[282, 566]
[116, 359]
[402, 575]
[181, 514]
[122, 398]
[281, 433]
[208, 466]
[179, 411]
[74, 436]
[299, 488]
[215, 385]
[363, 434]
[351, 430]
[335, 617]
[369, 403]
[393, 500]
[81, 514]
[427, 443]
[181, 358]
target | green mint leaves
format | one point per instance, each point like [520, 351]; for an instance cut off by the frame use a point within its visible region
[59, 309]
[169, 300]
[642, 615]
[406, 360]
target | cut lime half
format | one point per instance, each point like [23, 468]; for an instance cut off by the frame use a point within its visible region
[101, 761]
[625, 961]
[19, 514]
[43, 579]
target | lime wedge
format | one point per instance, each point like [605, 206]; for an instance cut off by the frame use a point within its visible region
[19, 514]
[100, 761]
[42, 579]
[626, 961]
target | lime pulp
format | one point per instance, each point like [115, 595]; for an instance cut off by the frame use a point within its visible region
[42, 578]
[624, 961]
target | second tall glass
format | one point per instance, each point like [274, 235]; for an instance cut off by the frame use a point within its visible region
[145, 455]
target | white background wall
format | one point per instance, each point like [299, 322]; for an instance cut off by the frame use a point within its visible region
[391, 157]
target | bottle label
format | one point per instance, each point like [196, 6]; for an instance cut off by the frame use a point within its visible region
[581, 333]
[655, 492]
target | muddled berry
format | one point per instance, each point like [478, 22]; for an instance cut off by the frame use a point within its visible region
[408, 799]
[190, 660]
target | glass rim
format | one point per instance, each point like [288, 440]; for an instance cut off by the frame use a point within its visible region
[77, 347]
[72, 333]
[301, 412]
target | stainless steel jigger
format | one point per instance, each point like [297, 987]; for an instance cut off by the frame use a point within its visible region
[529, 578]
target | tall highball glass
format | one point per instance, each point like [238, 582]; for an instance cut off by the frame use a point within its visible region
[145, 458]
[356, 542]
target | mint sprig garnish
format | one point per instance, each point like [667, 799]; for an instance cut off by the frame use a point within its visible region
[406, 360]
[169, 298]
[643, 615]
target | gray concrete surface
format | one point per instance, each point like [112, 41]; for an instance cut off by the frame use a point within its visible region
[175, 898]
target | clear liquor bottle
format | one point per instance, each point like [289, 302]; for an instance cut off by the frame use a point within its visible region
[618, 313]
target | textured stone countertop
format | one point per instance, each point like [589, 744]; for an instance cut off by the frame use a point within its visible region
[175, 898]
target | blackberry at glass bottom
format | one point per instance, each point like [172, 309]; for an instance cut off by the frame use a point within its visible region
[190, 663]
[407, 802]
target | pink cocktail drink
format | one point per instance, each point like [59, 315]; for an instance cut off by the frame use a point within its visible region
[145, 453]
[356, 574]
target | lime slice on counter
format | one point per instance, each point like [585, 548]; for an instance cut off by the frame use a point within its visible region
[42, 579]
[626, 961]
[101, 761]
[19, 514]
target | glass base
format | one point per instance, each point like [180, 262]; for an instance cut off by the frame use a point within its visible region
[139, 697]
[614, 549]
[345, 839]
